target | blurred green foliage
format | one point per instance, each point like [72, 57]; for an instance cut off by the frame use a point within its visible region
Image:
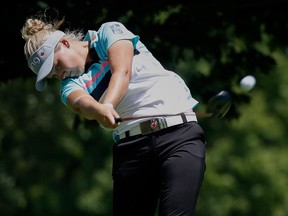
[246, 157]
[53, 162]
[46, 165]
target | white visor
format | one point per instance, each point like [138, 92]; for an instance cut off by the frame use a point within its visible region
[41, 62]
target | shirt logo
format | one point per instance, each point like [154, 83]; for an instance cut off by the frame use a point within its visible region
[116, 29]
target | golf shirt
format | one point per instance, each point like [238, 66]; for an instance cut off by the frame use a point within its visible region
[152, 89]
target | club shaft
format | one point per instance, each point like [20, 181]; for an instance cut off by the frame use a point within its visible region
[129, 118]
[218, 106]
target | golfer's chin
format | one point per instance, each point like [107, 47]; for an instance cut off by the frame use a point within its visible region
[73, 73]
[77, 73]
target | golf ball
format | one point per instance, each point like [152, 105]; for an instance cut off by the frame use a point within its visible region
[248, 82]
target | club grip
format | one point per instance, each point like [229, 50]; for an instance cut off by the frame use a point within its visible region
[117, 120]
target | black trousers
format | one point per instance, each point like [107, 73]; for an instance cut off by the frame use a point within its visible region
[163, 171]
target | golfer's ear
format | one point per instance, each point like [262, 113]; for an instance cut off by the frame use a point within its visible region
[65, 42]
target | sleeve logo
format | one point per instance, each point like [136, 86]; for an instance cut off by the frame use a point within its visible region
[116, 29]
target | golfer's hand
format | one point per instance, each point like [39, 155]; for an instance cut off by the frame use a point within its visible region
[108, 115]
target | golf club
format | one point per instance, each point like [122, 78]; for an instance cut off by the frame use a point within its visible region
[217, 106]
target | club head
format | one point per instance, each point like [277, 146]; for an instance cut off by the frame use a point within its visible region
[220, 104]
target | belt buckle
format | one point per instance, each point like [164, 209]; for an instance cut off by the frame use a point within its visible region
[152, 125]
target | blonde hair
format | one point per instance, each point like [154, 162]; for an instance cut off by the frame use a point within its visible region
[36, 30]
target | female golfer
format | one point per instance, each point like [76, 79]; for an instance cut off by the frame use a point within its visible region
[108, 73]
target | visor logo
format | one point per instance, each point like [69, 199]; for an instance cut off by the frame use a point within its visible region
[35, 62]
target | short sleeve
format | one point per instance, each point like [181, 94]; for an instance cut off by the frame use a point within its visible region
[111, 32]
[68, 86]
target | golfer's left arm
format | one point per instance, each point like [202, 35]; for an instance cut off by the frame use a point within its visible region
[120, 56]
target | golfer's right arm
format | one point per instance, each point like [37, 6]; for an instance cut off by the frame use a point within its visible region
[85, 105]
